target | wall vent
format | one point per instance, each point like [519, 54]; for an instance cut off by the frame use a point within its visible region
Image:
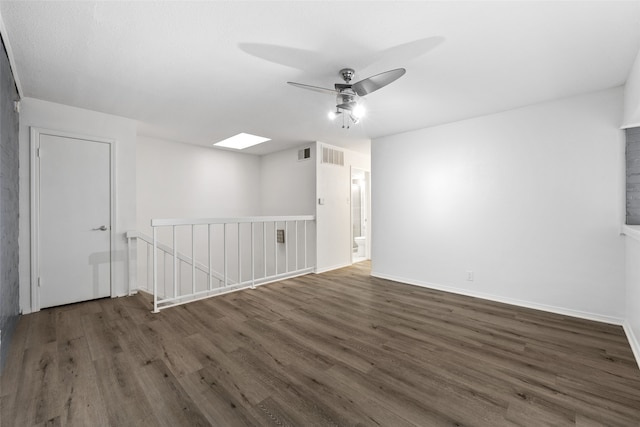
[332, 156]
[304, 153]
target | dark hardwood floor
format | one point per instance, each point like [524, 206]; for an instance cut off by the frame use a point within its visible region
[340, 348]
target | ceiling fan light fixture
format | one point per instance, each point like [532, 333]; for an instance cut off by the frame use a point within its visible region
[333, 114]
[358, 111]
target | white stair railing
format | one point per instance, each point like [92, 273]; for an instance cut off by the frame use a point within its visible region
[226, 254]
[144, 244]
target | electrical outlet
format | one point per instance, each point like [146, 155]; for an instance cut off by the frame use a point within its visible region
[470, 276]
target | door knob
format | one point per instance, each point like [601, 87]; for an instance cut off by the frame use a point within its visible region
[101, 228]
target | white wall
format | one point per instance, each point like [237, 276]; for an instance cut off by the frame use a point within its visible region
[48, 115]
[632, 96]
[632, 297]
[333, 218]
[531, 200]
[632, 119]
[178, 180]
[288, 185]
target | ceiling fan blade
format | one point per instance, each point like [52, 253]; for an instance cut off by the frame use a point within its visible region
[314, 88]
[373, 83]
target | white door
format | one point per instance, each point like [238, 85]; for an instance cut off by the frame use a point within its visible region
[74, 220]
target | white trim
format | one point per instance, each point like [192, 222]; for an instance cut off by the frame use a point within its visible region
[536, 306]
[12, 60]
[35, 134]
[629, 126]
[633, 341]
[34, 219]
[632, 231]
[333, 267]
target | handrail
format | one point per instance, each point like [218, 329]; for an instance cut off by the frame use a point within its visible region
[240, 220]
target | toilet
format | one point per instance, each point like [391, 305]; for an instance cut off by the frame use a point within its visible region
[362, 244]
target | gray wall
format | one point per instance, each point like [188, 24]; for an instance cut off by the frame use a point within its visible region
[633, 176]
[9, 287]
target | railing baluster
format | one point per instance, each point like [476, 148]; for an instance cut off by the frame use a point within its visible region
[149, 265]
[155, 271]
[275, 245]
[180, 281]
[193, 259]
[296, 245]
[305, 243]
[175, 263]
[264, 244]
[286, 246]
[224, 250]
[209, 252]
[253, 263]
[239, 257]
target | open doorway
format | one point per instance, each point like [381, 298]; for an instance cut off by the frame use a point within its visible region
[359, 214]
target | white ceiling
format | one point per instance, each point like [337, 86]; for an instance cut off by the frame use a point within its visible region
[200, 72]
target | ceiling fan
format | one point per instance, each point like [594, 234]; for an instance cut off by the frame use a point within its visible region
[348, 94]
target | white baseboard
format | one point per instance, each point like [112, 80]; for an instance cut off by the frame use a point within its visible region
[536, 306]
[333, 267]
[633, 341]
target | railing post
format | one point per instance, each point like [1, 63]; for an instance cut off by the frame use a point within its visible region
[129, 263]
[155, 272]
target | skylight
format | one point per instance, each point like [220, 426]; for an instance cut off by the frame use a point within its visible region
[241, 141]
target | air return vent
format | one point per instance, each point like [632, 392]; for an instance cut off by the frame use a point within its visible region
[332, 156]
[304, 153]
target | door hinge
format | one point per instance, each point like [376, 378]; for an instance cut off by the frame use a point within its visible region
[38, 153]
[39, 282]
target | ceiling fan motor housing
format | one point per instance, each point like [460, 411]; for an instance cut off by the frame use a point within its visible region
[347, 74]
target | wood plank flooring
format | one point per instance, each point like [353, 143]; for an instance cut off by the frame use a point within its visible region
[339, 348]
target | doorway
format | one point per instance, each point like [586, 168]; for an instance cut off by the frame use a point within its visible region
[72, 180]
[360, 237]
